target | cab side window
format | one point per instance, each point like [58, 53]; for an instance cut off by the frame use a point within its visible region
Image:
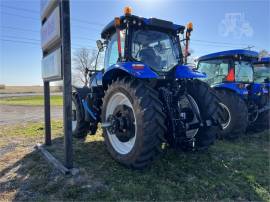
[112, 49]
[111, 52]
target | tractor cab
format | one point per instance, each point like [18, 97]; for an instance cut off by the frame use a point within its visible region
[233, 66]
[262, 71]
[152, 42]
[145, 48]
[262, 77]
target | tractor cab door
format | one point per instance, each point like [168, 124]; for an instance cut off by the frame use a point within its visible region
[112, 54]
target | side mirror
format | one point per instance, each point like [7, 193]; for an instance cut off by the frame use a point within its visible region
[100, 45]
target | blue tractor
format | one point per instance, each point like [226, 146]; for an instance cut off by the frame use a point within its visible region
[262, 79]
[262, 71]
[231, 74]
[145, 96]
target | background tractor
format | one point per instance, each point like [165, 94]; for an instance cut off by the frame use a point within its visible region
[262, 78]
[231, 74]
[145, 95]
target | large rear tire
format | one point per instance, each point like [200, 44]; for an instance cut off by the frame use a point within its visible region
[209, 108]
[236, 110]
[147, 130]
[80, 127]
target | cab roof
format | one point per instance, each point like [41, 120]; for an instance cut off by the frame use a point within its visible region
[263, 60]
[150, 22]
[230, 53]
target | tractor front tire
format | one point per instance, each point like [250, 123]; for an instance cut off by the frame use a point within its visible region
[148, 129]
[236, 110]
[209, 108]
[262, 123]
[80, 127]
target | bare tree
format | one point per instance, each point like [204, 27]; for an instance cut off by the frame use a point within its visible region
[83, 60]
[263, 53]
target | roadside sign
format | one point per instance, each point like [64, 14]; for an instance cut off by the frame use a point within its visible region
[50, 31]
[45, 7]
[51, 66]
[56, 65]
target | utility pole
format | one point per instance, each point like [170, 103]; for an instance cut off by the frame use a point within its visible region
[249, 47]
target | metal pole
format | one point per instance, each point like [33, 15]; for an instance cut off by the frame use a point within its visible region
[67, 90]
[47, 113]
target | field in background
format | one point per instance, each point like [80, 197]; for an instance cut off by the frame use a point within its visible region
[56, 100]
[236, 170]
[26, 89]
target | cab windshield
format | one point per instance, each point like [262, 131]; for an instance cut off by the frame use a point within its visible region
[216, 70]
[261, 72]
[159, 50]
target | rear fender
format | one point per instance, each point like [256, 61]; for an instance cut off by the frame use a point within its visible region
[259, 88]
[186, 72]
[232, 87]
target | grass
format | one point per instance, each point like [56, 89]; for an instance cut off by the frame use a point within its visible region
[236, 170]
[56, 100]
[26, 89]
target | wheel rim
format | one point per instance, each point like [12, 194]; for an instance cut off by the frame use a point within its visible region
[229, 118]
[186, 103]
[116, 100]
[74, 117]
[253, 116]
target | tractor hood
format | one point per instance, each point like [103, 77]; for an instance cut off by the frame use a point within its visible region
[187, 72]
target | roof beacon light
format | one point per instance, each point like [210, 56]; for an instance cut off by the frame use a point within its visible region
[190, 26]
[127, 10]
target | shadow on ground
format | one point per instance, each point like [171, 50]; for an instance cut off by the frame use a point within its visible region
[229, 170]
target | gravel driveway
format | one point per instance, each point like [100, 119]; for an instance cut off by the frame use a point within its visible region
[22, 114]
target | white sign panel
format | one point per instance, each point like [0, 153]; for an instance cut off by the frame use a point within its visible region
[51, 66]
[50, 31]
[45, 7]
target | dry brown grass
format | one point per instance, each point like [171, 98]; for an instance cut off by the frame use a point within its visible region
[26, 89]
[229, 171]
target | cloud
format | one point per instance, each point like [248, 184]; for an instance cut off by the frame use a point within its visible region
[235, 24]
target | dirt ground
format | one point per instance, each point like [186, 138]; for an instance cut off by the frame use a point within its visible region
[23, 114]
[229, 171]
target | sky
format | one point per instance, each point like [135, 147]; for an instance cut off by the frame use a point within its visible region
[218, 25]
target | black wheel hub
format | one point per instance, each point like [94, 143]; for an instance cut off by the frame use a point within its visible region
[122, 123]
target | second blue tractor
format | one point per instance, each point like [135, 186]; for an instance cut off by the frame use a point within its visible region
[244, 99]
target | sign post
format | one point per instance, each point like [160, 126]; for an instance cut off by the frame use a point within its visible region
[66, 60]
[47, 113]
[56, 65]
